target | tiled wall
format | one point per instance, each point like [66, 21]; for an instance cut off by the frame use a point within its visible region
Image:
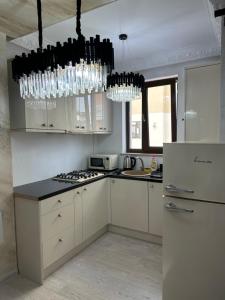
[7, 244]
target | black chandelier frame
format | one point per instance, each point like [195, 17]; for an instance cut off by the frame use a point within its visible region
[72, 51]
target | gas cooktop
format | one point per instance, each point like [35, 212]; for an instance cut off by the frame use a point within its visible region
[78, 176]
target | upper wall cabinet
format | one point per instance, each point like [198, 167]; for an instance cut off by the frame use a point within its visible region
[77, 114]
[202, 113]
[101, 113]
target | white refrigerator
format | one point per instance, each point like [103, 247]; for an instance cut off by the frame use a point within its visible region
[194, 222]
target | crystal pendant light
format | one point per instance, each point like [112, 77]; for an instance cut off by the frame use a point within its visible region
[124, 87]
[76, 67]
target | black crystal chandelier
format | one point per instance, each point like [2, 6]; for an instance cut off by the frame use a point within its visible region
[124, 87]
[72, 68]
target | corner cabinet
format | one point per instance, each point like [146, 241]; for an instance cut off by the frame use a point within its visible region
[88, 114]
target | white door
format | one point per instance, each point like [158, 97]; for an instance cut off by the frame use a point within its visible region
[193, 250]
[129, 204]
[56, 114]
[95, 204]
[155, 208]
[36, 114]
[203, 103]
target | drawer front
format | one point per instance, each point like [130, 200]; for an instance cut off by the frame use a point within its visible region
[57, 221]
[58, 246]
[56, 202]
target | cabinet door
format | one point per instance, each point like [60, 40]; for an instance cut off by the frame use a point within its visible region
[56, 114]
[78, 207]
[155, 208]
[97, 112]
[129, 204]
[79, 113]
[107, 111]
[202, 113]
[95, 207]
[36, 114]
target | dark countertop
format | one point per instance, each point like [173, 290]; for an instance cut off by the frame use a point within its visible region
[44, 189]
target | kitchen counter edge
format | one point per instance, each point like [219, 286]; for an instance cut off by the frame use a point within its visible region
[25, 191]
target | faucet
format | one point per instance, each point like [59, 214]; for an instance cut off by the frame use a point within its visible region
[142, 162]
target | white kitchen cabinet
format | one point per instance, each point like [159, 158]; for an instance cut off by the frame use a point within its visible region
[129, 204]
[202, 111]
[101, 113]
[56, 114]
[79, 219]
[35, 115]
[79, 113]
[95, 207]
[155, 208]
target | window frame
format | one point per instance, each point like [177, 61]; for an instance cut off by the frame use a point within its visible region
[145, 130]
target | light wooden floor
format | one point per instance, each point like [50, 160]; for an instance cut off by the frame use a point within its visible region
[113, 268]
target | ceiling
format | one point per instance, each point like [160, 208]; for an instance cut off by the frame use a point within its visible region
[19, 17]
[159, 32]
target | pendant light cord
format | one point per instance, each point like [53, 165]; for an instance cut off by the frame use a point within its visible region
[40, 33]
[78, 28]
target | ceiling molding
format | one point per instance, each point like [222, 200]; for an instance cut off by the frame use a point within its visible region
[171, 58]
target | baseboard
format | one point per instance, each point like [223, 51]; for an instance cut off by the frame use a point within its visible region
[135, 234]
[8, 274]
[52, 268]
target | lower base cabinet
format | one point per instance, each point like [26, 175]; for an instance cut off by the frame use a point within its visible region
[129, 204]
[155, 208]
[95, 207]
[50, 230]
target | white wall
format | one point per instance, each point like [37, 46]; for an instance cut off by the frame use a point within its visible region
[37, 156]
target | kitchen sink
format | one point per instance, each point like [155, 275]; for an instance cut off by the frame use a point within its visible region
[135, 173]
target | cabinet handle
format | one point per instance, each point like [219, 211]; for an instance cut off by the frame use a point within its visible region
[60, 240]
[43, 125]
[105, 128]
[59, 215]
[85, 189]
[51, 125]
[113, 181]
[59, 201]
[82, 127]
[100, 128]
[151, 186]
[77, 126]
[78, 193]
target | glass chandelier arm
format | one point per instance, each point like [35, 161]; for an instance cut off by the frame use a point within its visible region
[78, 17]
[40, 30]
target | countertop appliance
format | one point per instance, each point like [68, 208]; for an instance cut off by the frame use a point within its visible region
[106, 162]
[194, 222]
[78, 176]
[129, 162]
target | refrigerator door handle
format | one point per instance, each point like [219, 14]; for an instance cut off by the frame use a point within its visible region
[173, 208]
[173, 189]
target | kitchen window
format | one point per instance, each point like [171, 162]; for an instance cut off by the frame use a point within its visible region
[151, 120]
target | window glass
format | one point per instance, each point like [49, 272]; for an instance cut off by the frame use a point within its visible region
[159, 115]
[136, 124]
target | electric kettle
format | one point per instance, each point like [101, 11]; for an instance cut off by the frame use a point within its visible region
[129, 162]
